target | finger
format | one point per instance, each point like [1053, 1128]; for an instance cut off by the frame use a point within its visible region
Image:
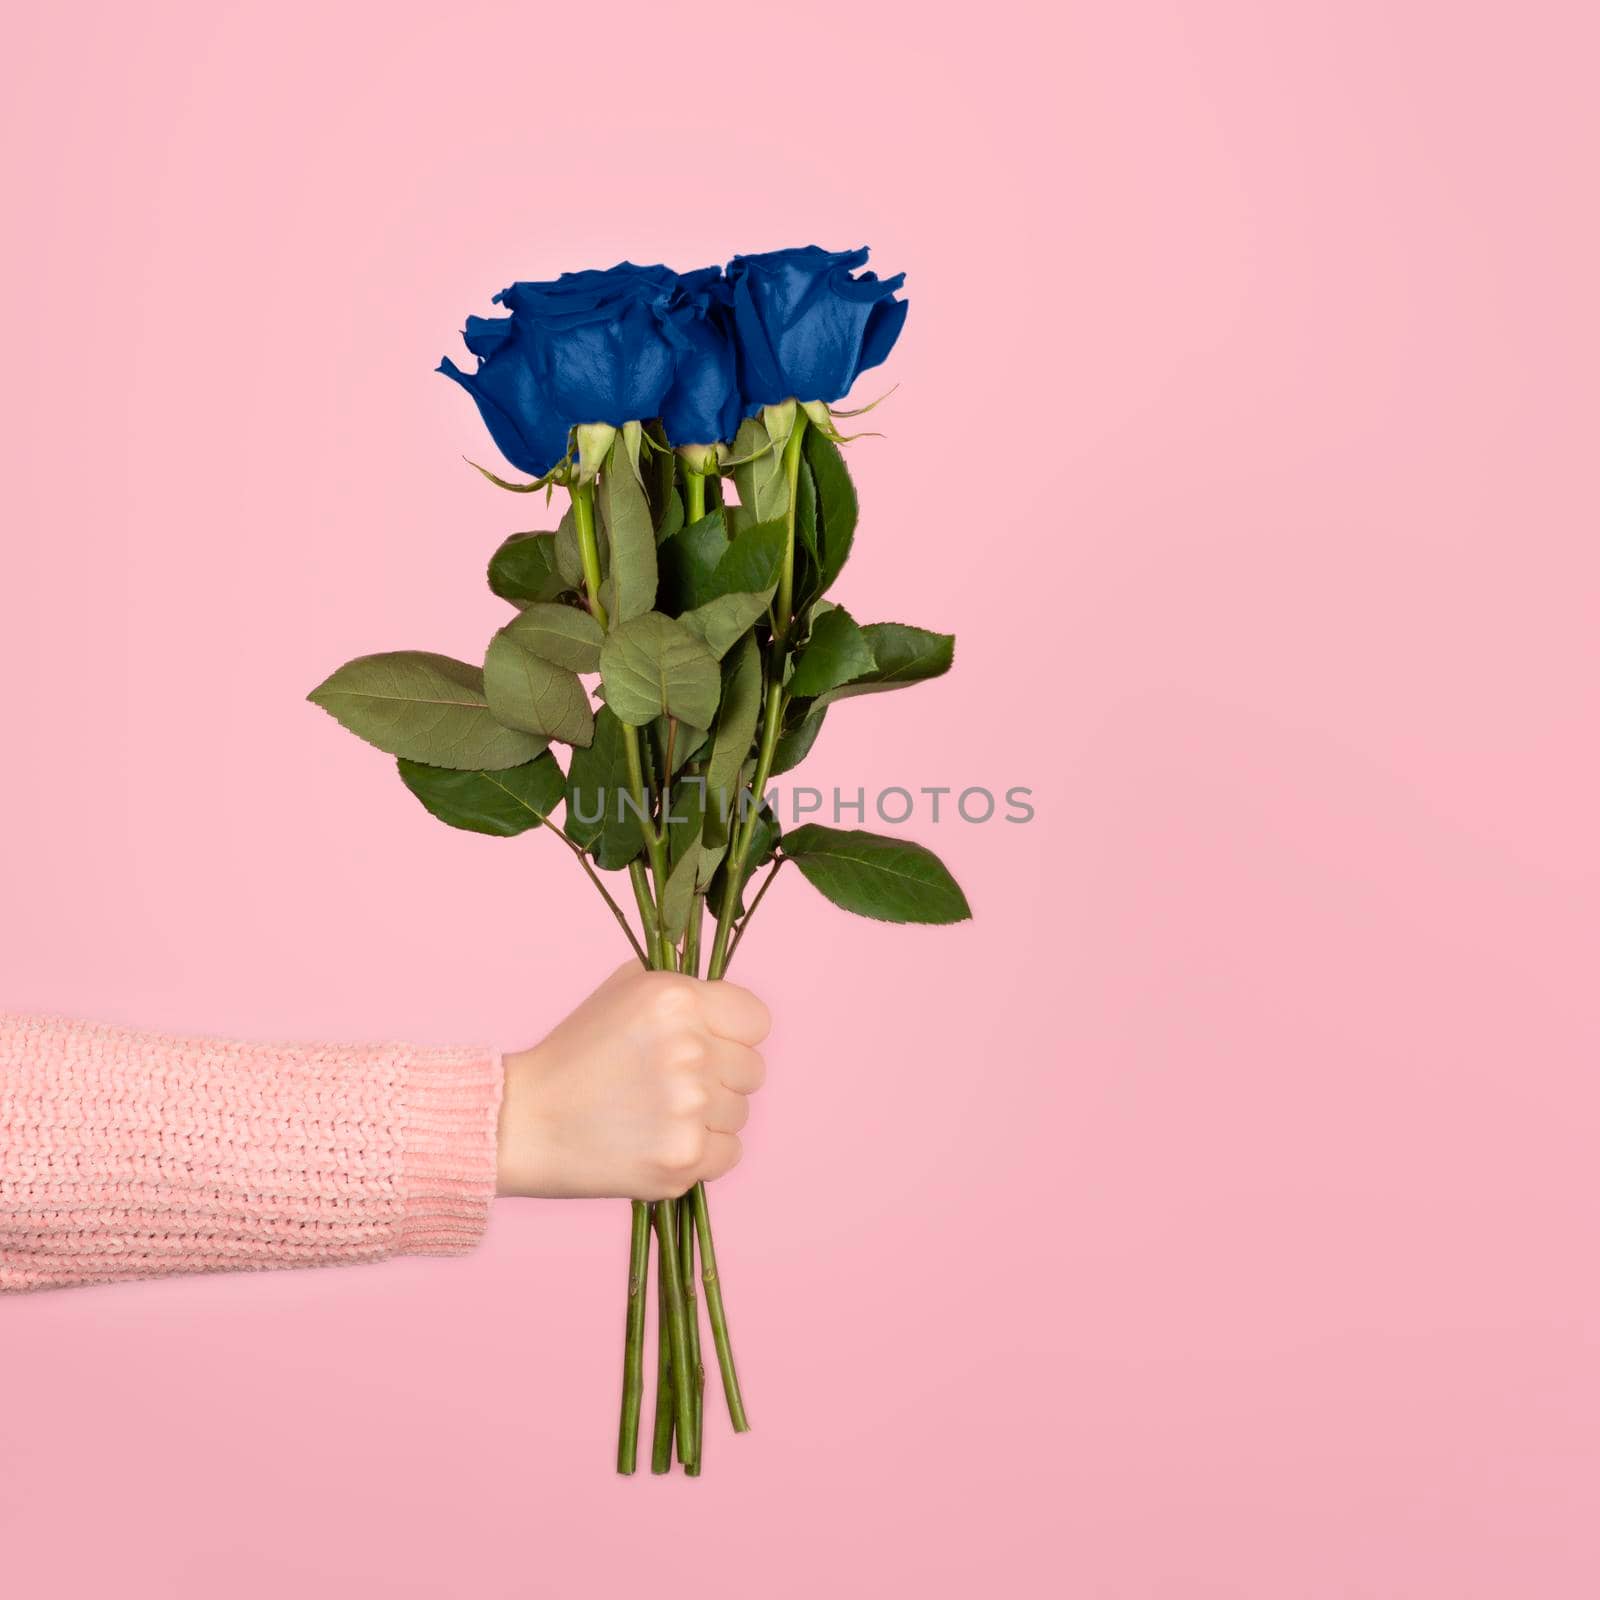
[726, 1112]
[723, 1151]
[737, 1066]
[734, 1013]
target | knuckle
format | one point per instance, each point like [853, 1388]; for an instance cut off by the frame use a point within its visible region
[681, 1153]
[672, 1002]
[760, 1016]
[689, 1095]
[690, 1049]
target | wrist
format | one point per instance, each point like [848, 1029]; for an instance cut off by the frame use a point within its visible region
[524, 1164]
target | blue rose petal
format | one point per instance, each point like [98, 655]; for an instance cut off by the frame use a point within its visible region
[702, 406]
[807, 327]
[698, 350]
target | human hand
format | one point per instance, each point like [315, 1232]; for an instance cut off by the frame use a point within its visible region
[640, 1093]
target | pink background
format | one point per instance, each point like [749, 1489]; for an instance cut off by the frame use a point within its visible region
[1213, 1216]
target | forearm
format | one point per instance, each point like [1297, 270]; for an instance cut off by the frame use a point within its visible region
[126, 1154]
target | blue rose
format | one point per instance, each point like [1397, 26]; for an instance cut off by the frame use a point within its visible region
[807, 326]
[703, 404]
[588, 347]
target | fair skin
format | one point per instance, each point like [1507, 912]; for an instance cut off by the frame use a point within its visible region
[640, 1093]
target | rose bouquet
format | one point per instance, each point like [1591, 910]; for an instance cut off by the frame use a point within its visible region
[643, 394]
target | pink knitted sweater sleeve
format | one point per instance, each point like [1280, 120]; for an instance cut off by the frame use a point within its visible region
[127, 1155]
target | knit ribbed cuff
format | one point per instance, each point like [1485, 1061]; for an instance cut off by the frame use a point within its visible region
[448, 1149]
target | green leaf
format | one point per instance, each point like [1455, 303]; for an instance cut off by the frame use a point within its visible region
[837, 508]
[690, 557]
[632, 535]
[632, 436]
[677, 895]
[730, 745]
[682, 820]
[763, 846]
[660, 472]
[807, 556]
[720, 622]
[528, 692]
[671, 518]
[796, 739]
[694, 861]
[505, 483]
[568, 556]
[524, 569]
[694, 871]
[565, 636]
[703, 564]
[764, 841]
[503, 803]
[600, 814]
[738, 519]
[805, 508]
[900, 655]
[759, 480]
[425, 707]
[686, 742]
[892, 880]
[836, 652]
[653, 665]
[750, 565]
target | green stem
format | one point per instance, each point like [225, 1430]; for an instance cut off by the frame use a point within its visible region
[668, 750]
[588, 548]
[605, 894]
[654, 845]
[697, 903]
[691, 937]
[715, 1311]
[744, 921]
[695, 482]
[589, 556]
[745, 827]
[691, 1306]
[647, 912]
[791, 473]
[633, 1348]
[772, 718]
[633, 1340]
[661, 1441]
[738, 860]
[677, 1327]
